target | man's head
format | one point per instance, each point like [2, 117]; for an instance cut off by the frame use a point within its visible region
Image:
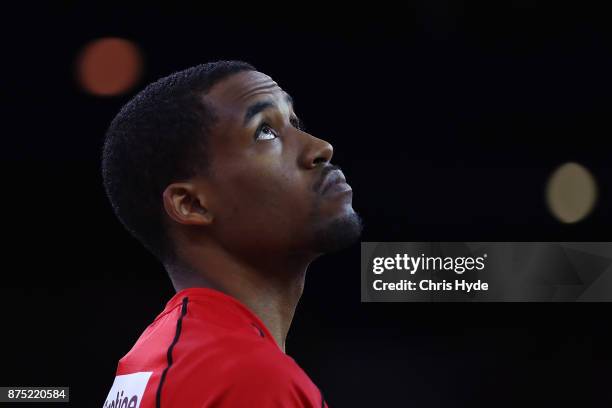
[215, 154]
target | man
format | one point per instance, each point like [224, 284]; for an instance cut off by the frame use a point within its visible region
[211, 171]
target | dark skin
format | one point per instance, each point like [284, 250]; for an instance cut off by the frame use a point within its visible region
[252, 226]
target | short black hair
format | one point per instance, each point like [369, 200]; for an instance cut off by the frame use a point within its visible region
[158, 137]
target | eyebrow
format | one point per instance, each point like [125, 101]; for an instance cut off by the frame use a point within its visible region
[260, 106]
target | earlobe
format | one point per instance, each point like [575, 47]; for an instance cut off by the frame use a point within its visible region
[185, 205]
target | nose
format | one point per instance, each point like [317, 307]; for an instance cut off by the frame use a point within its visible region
[316, 151]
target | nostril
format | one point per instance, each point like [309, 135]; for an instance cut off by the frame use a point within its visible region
[319, 160]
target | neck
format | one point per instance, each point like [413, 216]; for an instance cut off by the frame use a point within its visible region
[269, 289]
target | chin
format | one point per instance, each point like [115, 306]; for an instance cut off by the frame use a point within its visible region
[338, 233]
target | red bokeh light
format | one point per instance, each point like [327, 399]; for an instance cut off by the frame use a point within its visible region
[109, 66]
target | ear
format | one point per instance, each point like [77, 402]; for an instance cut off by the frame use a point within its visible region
[186, 204]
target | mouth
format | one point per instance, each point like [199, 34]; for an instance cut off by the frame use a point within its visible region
[335, 182]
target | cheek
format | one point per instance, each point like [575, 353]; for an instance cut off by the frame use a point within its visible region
[266, 212]
[265, 198]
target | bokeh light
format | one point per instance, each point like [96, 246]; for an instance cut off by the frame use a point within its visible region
[109, 66]
[571, 192]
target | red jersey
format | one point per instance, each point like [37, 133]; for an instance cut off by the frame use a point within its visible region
[206, 349]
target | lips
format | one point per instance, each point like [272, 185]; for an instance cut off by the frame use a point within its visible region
[333, 178]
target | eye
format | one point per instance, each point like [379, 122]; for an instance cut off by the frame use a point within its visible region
[265, 132]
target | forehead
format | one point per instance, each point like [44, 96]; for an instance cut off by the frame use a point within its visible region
[236, 91]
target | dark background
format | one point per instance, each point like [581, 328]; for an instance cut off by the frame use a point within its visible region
[446, 118]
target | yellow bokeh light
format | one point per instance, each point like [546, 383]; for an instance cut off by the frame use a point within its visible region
[571, 192]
